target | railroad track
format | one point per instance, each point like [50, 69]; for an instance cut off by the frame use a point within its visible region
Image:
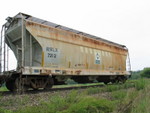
[3, 93]
[61, 88]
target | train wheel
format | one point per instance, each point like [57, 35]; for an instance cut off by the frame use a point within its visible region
[49, 84]
[122, 79]
[115, 81]
[35, 89]
[10, 85]
[106, 82]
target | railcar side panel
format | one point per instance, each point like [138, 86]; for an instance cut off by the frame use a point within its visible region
[66, 50]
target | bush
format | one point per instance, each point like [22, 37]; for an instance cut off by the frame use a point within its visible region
[145, 72]
[135, 75]
[70, 81]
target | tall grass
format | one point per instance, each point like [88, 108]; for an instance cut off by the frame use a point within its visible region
[143, 106]
[109, 88]
[110, 98]
[119, 95]
[93, 90]
[2, 110]
[91, 105]
[142, 103]
[72, 103]
[140, 84]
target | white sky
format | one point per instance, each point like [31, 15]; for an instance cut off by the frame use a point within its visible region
[123, 21]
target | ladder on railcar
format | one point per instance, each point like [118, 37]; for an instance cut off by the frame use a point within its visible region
[4, 52]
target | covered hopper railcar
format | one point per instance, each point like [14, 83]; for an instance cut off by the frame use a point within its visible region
[49, 54]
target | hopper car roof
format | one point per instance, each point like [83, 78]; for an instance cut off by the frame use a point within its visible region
[47, 23]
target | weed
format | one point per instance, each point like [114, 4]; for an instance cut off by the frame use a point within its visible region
[57, 103]
[111, 88]
[72, 97]
[91, 105]
[91, 90]
[140, 84]
[128, 85]
[119, 95]
[142, 106]
[5, 111]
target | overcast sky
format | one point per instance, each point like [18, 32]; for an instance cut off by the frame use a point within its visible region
[123, 21]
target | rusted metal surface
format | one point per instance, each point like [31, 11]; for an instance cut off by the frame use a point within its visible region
[58, 50]
[49, 54]
[57, 34]
[78, 52]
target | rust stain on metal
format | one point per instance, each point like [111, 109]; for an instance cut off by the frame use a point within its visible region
[69, 37]
[113, 57]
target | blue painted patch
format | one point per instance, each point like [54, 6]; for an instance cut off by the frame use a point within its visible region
[97, 61]
[36, 71]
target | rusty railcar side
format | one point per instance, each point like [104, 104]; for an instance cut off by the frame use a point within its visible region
[78, 52]
[49, 54]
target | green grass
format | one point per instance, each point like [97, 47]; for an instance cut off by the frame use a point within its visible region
[92, 90]
[141, 105]
[64, 105]
[131, 97]
[91, 105]
[2, 110]
[119, 95]
[141, 84]
[3, 88]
